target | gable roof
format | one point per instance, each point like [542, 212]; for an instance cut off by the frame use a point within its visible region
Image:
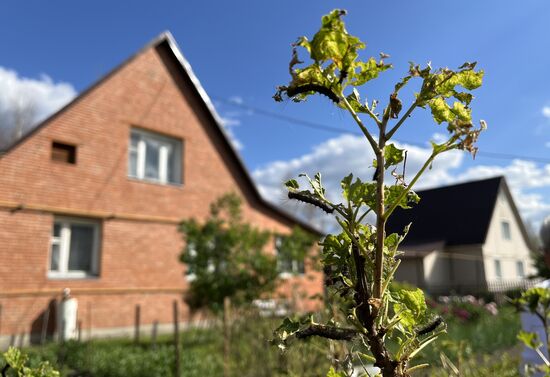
[167, 41]
[457, 215]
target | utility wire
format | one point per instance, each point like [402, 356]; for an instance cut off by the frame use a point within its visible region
[324, 127]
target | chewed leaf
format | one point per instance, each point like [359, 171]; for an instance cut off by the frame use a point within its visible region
[393, 155]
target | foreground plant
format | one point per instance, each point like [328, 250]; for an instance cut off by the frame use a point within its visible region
[360, 262]
[16, 364]
[536, 301]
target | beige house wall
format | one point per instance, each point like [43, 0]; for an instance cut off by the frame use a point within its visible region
[508, 252]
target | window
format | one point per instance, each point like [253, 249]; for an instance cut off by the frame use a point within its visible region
[519, 269]
[285, 263]
[153, 157]
[505, 226]
[63, 152]
[498, 269]
[74, 248]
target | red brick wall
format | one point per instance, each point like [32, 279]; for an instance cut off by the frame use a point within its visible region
[148, 92]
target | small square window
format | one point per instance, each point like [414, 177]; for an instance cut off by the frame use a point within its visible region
[74, 248]
[505, 226]
[62, 152]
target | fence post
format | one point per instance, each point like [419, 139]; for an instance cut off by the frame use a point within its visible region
[0, 318]
[154, 334]
[89, 321]
[226, 335]
[177, 339]
[137, 321]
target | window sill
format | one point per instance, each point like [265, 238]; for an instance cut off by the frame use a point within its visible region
[156, 183]
[290, 275]
[69, 276]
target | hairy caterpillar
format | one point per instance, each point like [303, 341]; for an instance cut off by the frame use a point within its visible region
[430, 326]
[302, 197]
[295, 90]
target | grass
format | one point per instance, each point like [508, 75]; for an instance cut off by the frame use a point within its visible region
[485, 335]
[479, 343]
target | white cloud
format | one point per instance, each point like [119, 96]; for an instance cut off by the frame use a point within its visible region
[228, 124]
[28, 101]
[546, 111]
[337, 157]
[229, 121]
[236, 99]
[232, 119]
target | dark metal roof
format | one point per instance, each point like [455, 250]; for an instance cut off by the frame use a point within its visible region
[457, 215]
[166, 39]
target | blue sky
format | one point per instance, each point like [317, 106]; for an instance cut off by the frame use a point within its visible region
[240, 51]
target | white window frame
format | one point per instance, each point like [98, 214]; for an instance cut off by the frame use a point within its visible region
[506, 230]
[498, 269]
[167, 145]
[520, 269]
[64, 242]
[294, 264]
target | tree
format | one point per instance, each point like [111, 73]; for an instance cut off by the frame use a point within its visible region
[17, 119]
[226, 257]
[361, 260]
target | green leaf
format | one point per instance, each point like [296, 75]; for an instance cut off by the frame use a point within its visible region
[441, 112]
[463, 113]
[303, 42]
[470, 79]
[530, 339]
[535, 297]
[355, 102]
[292, 184]
[465, 98]
[412, 305]
[366, 71]
[333, 373]
[393, 155]
[392, 193]
[287, 328]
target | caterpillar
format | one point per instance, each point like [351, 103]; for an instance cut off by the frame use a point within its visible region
[343, 76]
[430, 326]
[302, 197]
[295, 90]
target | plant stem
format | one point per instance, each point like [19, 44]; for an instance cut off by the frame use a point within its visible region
[400, 121]
[410, 186]
[380, 216]
[360, 124]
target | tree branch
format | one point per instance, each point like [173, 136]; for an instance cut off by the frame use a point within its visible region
[328, 332]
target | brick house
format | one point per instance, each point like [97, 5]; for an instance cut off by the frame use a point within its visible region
[92, 197]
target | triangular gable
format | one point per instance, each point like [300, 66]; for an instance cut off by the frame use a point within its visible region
[504, 189]
[166, 40]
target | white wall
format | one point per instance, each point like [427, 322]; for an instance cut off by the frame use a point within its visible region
[459, 267]
[508, 252]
